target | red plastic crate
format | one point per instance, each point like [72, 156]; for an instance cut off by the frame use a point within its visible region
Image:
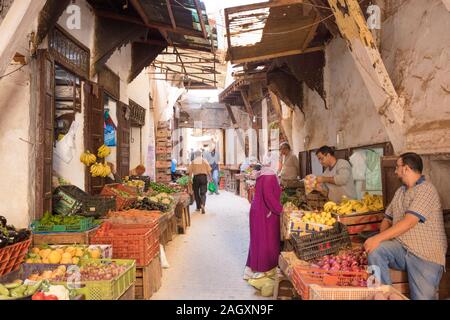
[130, 241]
[121, 201]
[11, 257]
[304, 276]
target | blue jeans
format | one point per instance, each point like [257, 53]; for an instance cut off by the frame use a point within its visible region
[423, 276]
[215, 177]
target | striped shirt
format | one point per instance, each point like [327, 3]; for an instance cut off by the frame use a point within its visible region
[427, 240]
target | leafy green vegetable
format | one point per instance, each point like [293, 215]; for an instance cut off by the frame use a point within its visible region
[184, 181]
[161, 188]
[57, 220]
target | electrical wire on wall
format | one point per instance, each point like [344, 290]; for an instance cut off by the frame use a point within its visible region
[14, 71]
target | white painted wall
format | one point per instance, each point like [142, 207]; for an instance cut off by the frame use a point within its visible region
[14, 162]
[139, 91]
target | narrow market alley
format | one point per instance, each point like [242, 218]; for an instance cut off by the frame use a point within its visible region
[329, 120]
[207, 263]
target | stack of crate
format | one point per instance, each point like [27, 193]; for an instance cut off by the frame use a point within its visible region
[163, 152]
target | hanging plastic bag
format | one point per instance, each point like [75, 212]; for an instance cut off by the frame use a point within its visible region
[164, 262]
[110, 136]
[64, 149]
[211, 187]
[310, 183]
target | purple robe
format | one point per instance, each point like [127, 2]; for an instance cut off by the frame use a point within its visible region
[265, 232]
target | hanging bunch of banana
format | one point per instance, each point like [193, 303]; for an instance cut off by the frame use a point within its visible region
[103, 152]
[88, 158]
[100, 170]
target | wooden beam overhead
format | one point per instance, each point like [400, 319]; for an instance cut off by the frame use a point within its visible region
[137, 5]
[153, 25]
[311, 33]
[247, 104]
[166, 43]
[200, 17]
[262, 5]
[369, 62]
[277, 55]
[172, 18]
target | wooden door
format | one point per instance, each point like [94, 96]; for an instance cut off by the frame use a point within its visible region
[45, 129]
[305, 164]
[123, 139]
[389, 180]
[93, 130]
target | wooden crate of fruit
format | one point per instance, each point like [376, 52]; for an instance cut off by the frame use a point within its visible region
[67, 254]
[361, 222]
[63, 238]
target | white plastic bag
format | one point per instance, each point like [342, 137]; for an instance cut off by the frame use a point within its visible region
[164, 262]
[65, 148]
[358, 161]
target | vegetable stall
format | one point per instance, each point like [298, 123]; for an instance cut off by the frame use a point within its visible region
[104, 247]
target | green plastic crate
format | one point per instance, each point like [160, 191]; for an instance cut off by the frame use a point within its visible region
[109, 289]
[84, 225]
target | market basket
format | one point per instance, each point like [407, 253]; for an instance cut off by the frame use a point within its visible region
[11, 257]
[93, 290]
[71, 200]
[83, 225]
[316, 200]
[125, 196]
[130, 241]
[146, 179]
[317, 292]
[318, 244]
[305, 276]
[134, 216]
[98, 206]
[68, 200]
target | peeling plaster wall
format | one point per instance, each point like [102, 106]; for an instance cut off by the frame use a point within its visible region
[416, 52]
[350, 108]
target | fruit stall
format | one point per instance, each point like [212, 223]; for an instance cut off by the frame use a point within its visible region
[103, 247]
[323, 257]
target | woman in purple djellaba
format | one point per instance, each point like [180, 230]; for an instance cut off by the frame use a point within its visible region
[265, 215]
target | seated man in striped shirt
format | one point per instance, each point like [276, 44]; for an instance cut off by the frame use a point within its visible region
[412, 236]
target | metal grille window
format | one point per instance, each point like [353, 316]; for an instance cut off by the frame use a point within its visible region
[137, 115]
[69, 53]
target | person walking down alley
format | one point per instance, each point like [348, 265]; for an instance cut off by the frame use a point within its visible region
[265, 214]
[412, 235]
[200, 170]
[213, 160]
